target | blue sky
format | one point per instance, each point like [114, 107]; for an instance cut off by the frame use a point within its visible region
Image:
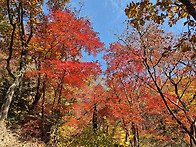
[107, 17]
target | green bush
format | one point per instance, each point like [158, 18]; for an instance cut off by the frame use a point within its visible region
[87, 138]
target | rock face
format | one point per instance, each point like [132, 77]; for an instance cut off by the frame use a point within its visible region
[13, 139]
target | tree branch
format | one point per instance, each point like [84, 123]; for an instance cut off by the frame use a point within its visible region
[10, 52]
[189, 7]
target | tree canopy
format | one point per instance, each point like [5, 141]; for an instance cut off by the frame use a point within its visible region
[145, 97]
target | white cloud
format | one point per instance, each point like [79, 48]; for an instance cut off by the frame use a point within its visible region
[114, 4]
[117, 6]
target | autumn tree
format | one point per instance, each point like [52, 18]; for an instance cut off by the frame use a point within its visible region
[51, 46]
[15, 14]
[150, 56]
[166, 11]
[180, 69]
[55, 65]
[132, 102]
[21, 18]
[91, 118]
[60, 43]
[121, 85]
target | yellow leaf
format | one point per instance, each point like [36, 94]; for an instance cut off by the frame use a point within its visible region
[170, 15]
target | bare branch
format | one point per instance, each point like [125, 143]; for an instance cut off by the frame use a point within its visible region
[126, 94]
[87, 111]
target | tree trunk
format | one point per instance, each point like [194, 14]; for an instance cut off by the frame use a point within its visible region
[38, 94]
[11, 90]
[136, 135]
[43, 101]
[95, 118]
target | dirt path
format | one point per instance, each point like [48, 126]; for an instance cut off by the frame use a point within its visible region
[8, 138]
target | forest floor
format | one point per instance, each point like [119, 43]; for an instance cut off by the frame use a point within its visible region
[13, 138]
